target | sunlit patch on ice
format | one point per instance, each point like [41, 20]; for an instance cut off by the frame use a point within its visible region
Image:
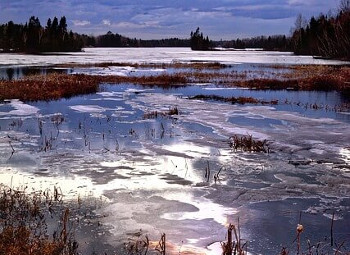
[20, 109]
[88, 108]
[71, 187]
[154, 171]
[345, 153]
[206, 209]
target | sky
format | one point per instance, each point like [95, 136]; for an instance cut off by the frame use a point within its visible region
[156, 19]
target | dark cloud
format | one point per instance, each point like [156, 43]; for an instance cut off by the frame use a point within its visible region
[164, 18]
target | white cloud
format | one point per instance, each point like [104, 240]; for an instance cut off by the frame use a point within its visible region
[314, 3]
[81, 23]
[128, 25]
[106, 22]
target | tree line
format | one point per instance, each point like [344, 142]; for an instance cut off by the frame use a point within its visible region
[33, 38]
[275, 42]
[116, 40]
[326, 36]
[55, 37]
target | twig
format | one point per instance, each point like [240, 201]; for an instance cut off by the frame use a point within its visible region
[332, 240]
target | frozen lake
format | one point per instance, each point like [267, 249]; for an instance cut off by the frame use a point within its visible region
[151, 171]
[159, 55]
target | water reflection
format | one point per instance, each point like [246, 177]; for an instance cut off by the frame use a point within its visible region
[10, 72]
[15, 73]
[154, 171]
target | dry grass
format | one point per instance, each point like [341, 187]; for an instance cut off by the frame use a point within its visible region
[234, 245]
[156, 114]
[56, 86]
[24, 231]
[247, 143]
[23, 227]
[175, 65]
[48, 87]
[319, 78]
[234, 100]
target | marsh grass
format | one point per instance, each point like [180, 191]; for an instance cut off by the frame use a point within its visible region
[248, 144]
[156, 114]
[57, 85]
[234, 100]
[175, 65]
[24, 231]
[47, 87]
[140, 244]
[305, 77]
[328, 246]
[24, 228]
[234, 244]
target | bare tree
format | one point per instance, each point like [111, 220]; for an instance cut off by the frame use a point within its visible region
[344, 5]
[300, 22]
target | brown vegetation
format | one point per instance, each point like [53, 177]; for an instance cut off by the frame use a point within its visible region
[56, 86]
[156, 114]
[247, 143]
[47, 87]
[23, 227]
[234, 100]
[234, 247]
[175, 65]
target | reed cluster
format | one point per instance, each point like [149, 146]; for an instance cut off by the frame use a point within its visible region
[234, 100]
[156, 114]
[48, 87]
[247, 143]
[55, 86]
[175, 65]
[24, 227]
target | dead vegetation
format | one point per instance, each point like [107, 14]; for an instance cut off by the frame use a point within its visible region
[234, 100]
[55, 85]
[246, 143]
[326, 247]
[24, 228]
[234, 245]
[24, 231]
[156, 114]
[319, 78]
[175, 65]
[47, 87]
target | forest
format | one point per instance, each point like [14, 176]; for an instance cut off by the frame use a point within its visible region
[33, 38]
[55, 37]
[116, 40]
[326, 36]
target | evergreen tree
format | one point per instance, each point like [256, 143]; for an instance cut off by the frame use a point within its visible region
[198, 42]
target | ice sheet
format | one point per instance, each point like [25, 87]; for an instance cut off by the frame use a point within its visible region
[157, 55]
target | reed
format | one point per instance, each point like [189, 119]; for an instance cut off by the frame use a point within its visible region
[155, 114]
[234, 246]
[23, 226]
[175, 65]
[55, 86]
[247, 143]
[48, 87]
[234, 100]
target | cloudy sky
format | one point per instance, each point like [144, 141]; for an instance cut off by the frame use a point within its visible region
[155, 19]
